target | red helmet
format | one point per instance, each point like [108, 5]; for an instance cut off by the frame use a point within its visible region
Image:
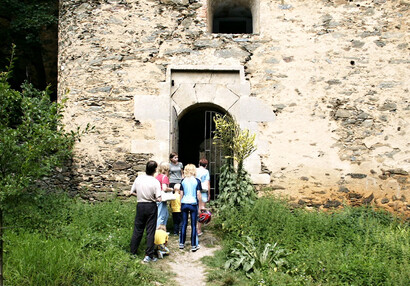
[205, 217]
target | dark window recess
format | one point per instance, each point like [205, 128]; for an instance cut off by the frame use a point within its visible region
[232, 25]
[232, 19]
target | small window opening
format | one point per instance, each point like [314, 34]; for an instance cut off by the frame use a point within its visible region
[231, 17]
[232, 21]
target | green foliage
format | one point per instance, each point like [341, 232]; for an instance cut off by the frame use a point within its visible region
[235, 185]
[62, 241]
[32, 26]
[250, 256]
[27, 18]
[32, 137]
[236, 143]
[355, 246]
[236, 189]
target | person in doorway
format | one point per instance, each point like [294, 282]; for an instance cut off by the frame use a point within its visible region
[148, 192]
[162, 177]
[203, 175]
[176, 174]
[190, 194]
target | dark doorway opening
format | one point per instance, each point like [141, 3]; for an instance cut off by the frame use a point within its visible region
[232, 20]
[196, 128]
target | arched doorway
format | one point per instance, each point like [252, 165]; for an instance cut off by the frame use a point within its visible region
[196, 127]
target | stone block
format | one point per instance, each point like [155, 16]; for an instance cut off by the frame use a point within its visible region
[250, 125]
[252, 109]
[224, 97]
[262, 145]
[184, 96]
[243, 89]
[162, 129]
[205, 92]
[260, 179]
[159, 107]
[253, 164]
[148, 146]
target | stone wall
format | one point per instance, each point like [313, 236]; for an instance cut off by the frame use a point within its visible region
[335, 73]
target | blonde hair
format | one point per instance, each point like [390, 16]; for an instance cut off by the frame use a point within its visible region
[163, 168]
[190, 170]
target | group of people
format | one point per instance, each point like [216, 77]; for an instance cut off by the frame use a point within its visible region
[191, 189]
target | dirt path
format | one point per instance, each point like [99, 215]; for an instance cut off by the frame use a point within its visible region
[187, 265]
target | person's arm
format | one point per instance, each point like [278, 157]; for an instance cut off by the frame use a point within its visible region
[165, 185]
[182, 170]
[181, 190]
[133, 191]
[158, 191]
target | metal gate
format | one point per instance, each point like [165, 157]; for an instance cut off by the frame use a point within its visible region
[212, 153]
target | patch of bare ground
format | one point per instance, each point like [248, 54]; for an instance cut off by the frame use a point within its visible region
[185, 266]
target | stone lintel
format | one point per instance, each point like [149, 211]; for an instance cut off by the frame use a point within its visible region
[210, 68]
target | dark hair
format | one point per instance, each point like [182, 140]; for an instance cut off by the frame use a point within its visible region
[172, 155]
[151, 167]
[203, 162]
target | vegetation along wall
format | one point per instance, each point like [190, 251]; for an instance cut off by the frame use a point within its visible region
[324, 85]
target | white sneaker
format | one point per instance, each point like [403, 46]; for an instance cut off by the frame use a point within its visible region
[148, 259]
[160, 255]
[195, 248]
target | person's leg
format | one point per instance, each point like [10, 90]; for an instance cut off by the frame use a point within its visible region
[179, 221]
[202, 206]
[151, 223]
[176, 226]
[182, 235]
[198, 225]
[166, 214]
[194, 216]
[204, 197]
[162, 214]
[139, 225]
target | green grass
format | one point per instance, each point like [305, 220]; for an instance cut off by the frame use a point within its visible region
[54, 240]
[355, 246]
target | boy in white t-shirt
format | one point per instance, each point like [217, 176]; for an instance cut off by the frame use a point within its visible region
[203, 175]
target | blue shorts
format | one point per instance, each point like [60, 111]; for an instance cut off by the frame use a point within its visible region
[204, 197]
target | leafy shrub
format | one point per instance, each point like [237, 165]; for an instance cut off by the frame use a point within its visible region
[235, 186]
[236, 189]
[251, 256]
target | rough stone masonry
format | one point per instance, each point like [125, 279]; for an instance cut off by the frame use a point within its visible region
[324, 85]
